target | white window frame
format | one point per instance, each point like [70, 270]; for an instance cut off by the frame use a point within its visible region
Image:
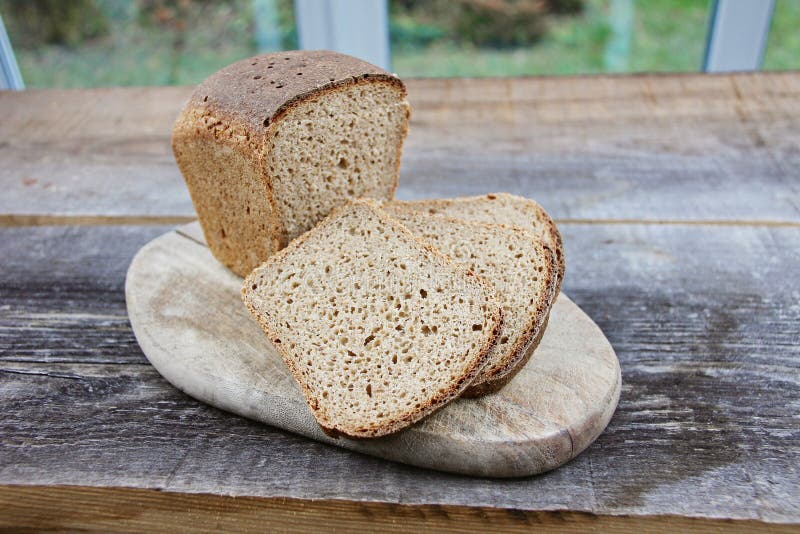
[10, 77]
[737, 35]
[356, 27]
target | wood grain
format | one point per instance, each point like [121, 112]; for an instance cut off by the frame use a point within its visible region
[688, 147]
[90, 220]
[126, 509]
[188, 317]
[703, 319]
[62, 293]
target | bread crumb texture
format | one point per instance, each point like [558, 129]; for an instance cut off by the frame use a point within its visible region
[499, 208]
[334, 147]
[378, 329]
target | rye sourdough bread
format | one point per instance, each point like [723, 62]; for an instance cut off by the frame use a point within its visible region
[521, 269]
[377, 327]
[269, 145]
[500, 208]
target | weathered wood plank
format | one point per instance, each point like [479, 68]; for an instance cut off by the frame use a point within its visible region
[116, 509]
[93, 152]
[704, 320]
[62, 293]
[644, 147]
[686, 147]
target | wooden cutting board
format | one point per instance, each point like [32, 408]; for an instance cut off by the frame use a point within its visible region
[187, 314]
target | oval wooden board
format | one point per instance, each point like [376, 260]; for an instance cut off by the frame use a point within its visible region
[187, 314]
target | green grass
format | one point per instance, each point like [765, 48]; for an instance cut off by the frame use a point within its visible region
[573, 44]
[783, 46]
[665, 36]
[144, 54]
[669, 36]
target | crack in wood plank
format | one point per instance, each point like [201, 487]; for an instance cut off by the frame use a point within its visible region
[72, 363]
[191, 238]
[189, 450]
[12, 220]
[40, 373]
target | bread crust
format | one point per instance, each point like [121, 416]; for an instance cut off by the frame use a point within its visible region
[200, 125]
[240, 107]
[244, 91]
[436, 402]
[498, 382]
[522, 350]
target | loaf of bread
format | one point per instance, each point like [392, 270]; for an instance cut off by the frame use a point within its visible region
[377, 327]
[269, 145]
[501, 208]
[521, 269]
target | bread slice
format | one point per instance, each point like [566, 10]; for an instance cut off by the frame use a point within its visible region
[500, 208]
[516, 263]
[269, 145]
[378, 328]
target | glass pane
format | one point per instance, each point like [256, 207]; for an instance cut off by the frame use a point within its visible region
[88, 43]
[525, 37]
[783, 46]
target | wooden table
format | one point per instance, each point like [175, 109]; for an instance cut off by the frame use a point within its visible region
[679, 201]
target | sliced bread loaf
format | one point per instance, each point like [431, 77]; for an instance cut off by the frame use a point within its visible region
[269, 145]
[500, 208]
[516, 263]
[378, 328]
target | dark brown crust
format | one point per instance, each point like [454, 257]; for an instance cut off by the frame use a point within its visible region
[493, 386]
[255, 91]
[435, 402]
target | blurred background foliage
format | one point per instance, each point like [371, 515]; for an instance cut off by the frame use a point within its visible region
[85, 43]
